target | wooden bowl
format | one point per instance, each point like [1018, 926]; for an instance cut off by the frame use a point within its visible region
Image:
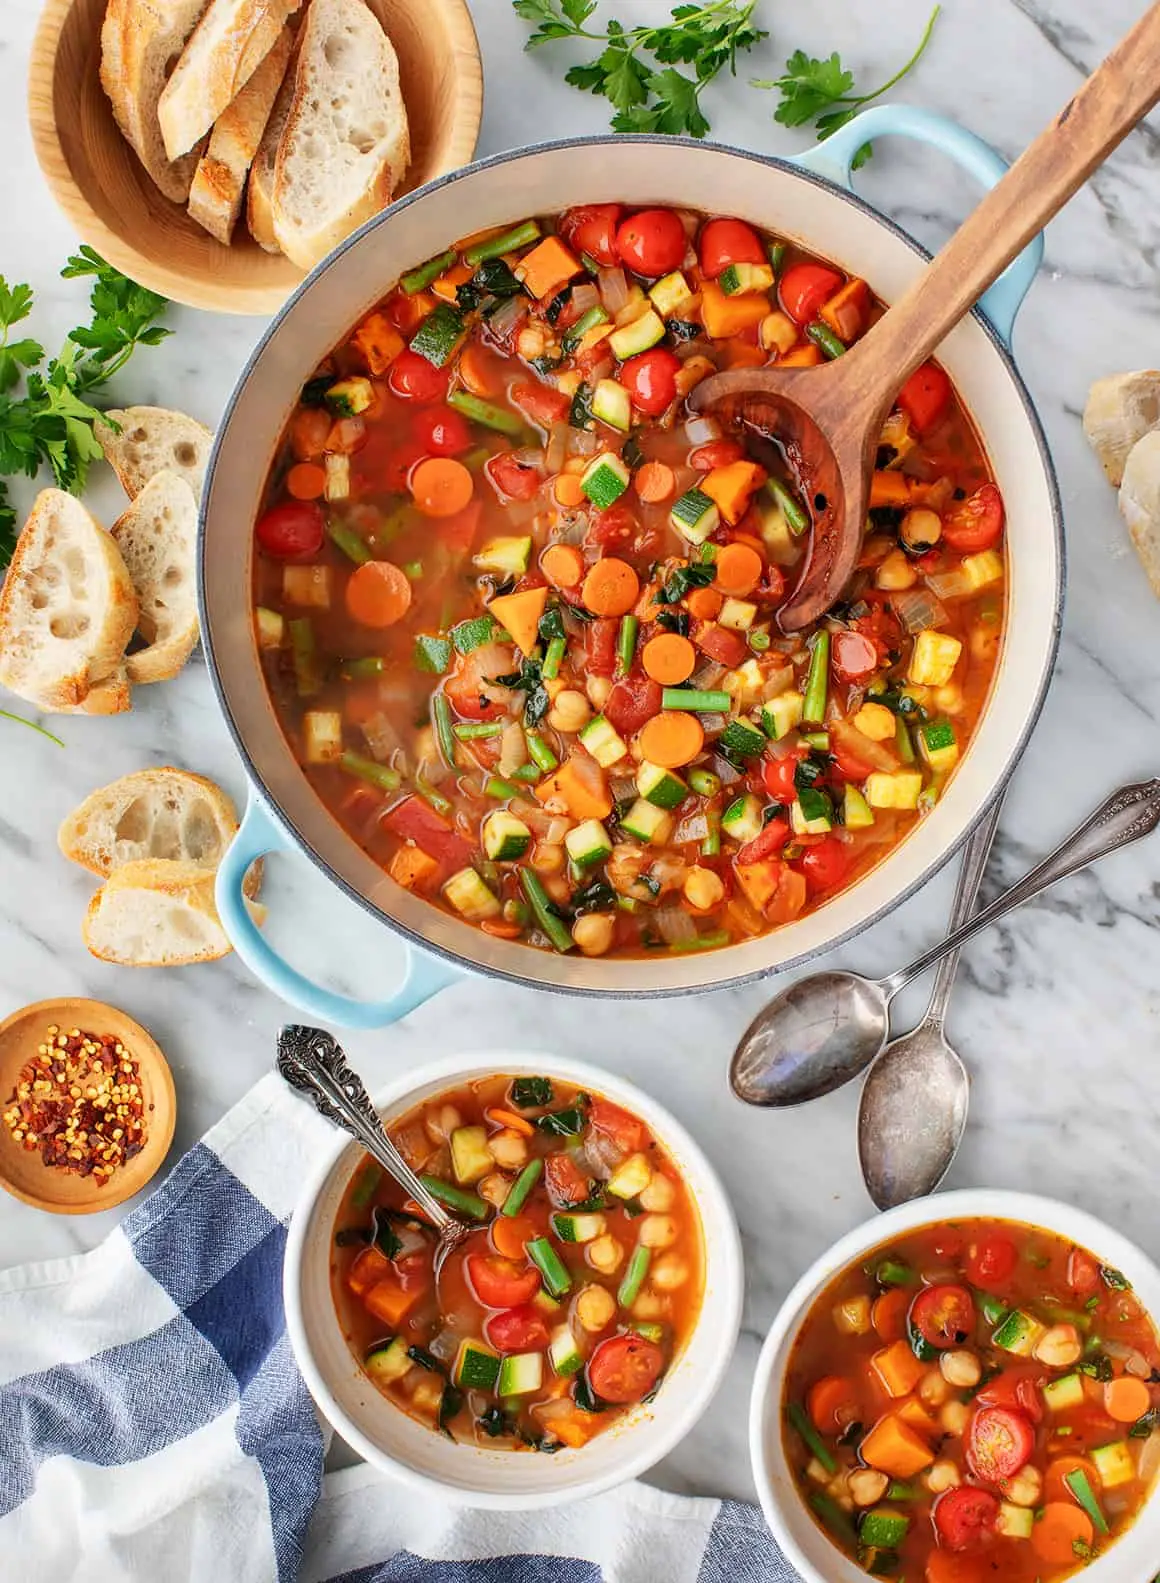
[105, 192]
[22, 1171]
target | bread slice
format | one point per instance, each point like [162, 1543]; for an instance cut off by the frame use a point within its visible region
[163, 813]
[156, 913]
[1140, 503]
[157, 538]
[67, 607]
[1119, 411]
[110, 697]
[140, 40]
[215, 199]
[260, 187]
[231, 41]
[346, 144]
[151, 440]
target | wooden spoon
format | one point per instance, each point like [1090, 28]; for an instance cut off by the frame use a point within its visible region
[829, 418]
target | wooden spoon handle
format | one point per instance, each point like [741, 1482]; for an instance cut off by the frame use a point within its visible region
[1111, 102]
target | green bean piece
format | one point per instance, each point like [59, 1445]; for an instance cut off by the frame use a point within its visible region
[551, 1266]
[791, 507]
[441, 714]
[367, 665]
[777, 252]
[419, 279]
[800, 1420]
[704, 782]
[835, 1518]
[822, 336]
[478, 730]
[304, 651]
[626, 643]
[380, 775]
[542, 755]
[347, 540]
[522, 1187]
[555, 928]
[703, 942]
[498, 787]
[367, 1185]
[634, 1276]
[818, 740]
[455, 1197]
[506, 242]
[413, 569]
[485, 412]
[550, 669]
[431, 795]
[903, 742]
[818, 681]
[714, 702]
[711, 845]
[1080, 1486]
[527, 772]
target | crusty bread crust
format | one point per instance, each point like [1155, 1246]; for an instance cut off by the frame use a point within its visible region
[260, 187]
[157, 537]
[140, 39]
[153, 439]
[156, 913]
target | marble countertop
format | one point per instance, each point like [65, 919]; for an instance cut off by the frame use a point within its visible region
[1057, 1010]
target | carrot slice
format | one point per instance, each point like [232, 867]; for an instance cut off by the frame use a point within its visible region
[378, 594]
[739, 569]
[669, 659]
[1058, 1531]
[944, 1566]
[704, 603]
[888, 1316]
[611, 587]
[1055, 1485]
[831, 1403]
[567, 489]
[306, 481]
[672, 739]
[479, 370]
[508, 1118]
[655, 481]
[442, 487]
[562, 565]
[1127, 1399]
[511, 1234]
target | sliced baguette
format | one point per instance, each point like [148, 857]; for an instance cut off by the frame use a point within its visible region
[1120, 410]
[110, 697]
[67, 609]
[140, 40]
[346, 144]
[163, 813]
[260, 187]
[215, 199]
[1140, 503]
[151, 440]
[231, 41]
[157, 538]
[156, 913]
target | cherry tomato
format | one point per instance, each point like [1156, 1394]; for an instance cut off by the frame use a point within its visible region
[944, 1315]
[501, 1283]
[517, 1330]
[848, 765]
[804, 288]
[854, 655]
[651, 380]
[1018, 1388]
[778, 776]
[625, 1368]
[591, 228]
[768, 844]
[543, 404]
[965, 1517]
[1083, 1273]
[413, 378]
[292, 531]
[926, 396]
[716, 453]
[977, 523]
[990, 1259]
[415, 820]
[565, 1181]
[825, 865]
[511, 477]
[441, 431]
[625, 1131]
[1000, 1443]
[652, 242]
[725, 242]
[633, 700]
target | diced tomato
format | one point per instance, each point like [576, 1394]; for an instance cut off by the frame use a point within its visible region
[471, 686]
[393, 475]
[369, 1268]
[854, 656]
[441, 431]
[293, 531]
[501, 1283]
[1083, 1273]
[990, 1260]
[600, 645]
[925, 397]
[625, 1131]
[721, 644]
[633, 700]
[778, 774]
[804, 288]
[716, 453]
[414, 820]
[520, 1329]
[542, 403]
[825, 865]
[591, 228]
[725, 242]
[847, 763]
[768, 844]
[612, 527]
[564, 1180]
[413, 378]
[944, 1315]
[407, 313]
[1019, 1388]
[1000, 1443]
[652, 242]
[511, 477]
[625, 1368]
[965, 1518]
[975, 524]
[651, 380]
[883, 630]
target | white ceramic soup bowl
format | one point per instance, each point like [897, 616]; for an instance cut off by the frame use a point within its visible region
[400, 1446]
[1132, 1559]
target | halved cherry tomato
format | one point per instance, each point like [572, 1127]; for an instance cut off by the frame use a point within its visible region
[517, 1330]
[768, 844]
[716, 453]
[1083, 1273]
[633, 700]
[441, 431]
[990, 1259]
[413, 378]
[725, 242]
[591, 228]
[625, 1368]
[944, 1315]
[652, 242]
[825, 865]
[925, 396]
[392, 475]
[292, 531]
[805, 287]
[542, 403]
[999, 1444]
[511, 477]
[414, 820]
[651, 380]
[965, 1518]
[854, 656]
[501, 1283]
[778, 775]
[977, 523]
[1019, 1388]
[565, 1181]
[625, 1131]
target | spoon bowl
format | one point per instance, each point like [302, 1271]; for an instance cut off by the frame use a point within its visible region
[912, 1116]
[811, 1039]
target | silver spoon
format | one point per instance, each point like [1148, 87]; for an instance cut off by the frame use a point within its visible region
[313, 1062]
[825, 1029]
[913, 1108]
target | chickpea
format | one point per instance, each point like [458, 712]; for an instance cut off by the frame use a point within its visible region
[531, 341]
[815, 1471]
[604, 1254]
[651, 1305]
[495, 1188]
[942, 1476]
[593, 932]
[896, 573]
[558, 889]
[428, 1393]
[598, 689]
[441, 1123]
[703, 889]
[548, 857]
[595, 1308]
[508, 1149]
[921, 528]
[570, 711]
[955, 1417]
[949, 699]
[778, 331]
[1060, 1347]
[961, 1369]
[1026, 1487]
[933, 1389]
[875, 721]
[658, 1231]
[660, 1194]
[867, 1486]
[693, 371]
[669, 1272]
[984, 642]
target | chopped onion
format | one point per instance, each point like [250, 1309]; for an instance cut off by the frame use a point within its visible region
[557, 452]
[876, 754]
[506, 320]
[949, 585]
[712, 723]
[918, 609]
[513, 749]
[1148, 1462]
[572, 528]
[693, 827]
[557, 830]
[690, 221]
[621, 787]
[531, 456]
[708, 676]
[584, 296]
[582, 442]
[598, 1156]
[675, 925]
[614, 293]
[778, 682]
[699, 431]
[382, 738]
[728, 774]
[601, 370]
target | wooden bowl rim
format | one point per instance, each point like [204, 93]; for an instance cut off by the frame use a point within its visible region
[82, 1012]
[195, 291]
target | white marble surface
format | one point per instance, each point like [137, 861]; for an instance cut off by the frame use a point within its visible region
[1057, 1010]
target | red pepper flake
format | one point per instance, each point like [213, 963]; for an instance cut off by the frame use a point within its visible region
[79, 1100]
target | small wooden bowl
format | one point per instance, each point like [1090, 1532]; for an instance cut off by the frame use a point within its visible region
[103, 189]
[22, 1171]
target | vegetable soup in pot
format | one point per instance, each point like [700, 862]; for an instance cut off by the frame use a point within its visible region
[517, 608]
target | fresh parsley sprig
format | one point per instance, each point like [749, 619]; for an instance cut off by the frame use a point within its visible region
[650, 95]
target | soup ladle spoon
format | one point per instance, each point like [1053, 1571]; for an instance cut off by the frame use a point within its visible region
[825, 1029]
[313, 1062]
[828, 419]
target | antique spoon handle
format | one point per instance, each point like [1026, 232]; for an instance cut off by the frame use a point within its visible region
[971, 871]
[1129, 814]
[314, 1063]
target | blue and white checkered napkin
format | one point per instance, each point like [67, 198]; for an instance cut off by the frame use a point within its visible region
[154, 1427]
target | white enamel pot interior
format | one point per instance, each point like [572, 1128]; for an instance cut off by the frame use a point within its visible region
[476, 1475]
[1132, 1559]
[545, 180]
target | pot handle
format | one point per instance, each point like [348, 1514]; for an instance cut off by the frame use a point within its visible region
[834, 159]
[259, 834]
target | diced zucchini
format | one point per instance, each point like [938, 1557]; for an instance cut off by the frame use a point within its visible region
[981, 569]
[438, 335]
[782, 714]
[632, 339]
[694, 516]
[670, 294]
[578, 1228]
[1019, 1333]
[604, 480]
[649, 1331]
[476, 1367]
[1062, 1395]
[739, 614]
[647, 822]
[322, 736]
[737, 278]
[937, 744]
[1114, 1464]
[504, 555]
[660, 786]
[745, 684]
[883, 1529]
[810, 813]
[611, 404]
[470, 896]
[337, 485]
[1014, 1522]
[631, 1177]
[934, 658]
[505, 837]
[857, 812]
[897, 789]
[603, 741]
[271, 628]
[741, 739]
[563, 1353]
[478, 630]
[588, 843]
[388, 1362]
[470, 1156]
[351, 396]
[742, 819]
[431, 654]
[521, 1374]
[546, 1303]
[306, 585]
